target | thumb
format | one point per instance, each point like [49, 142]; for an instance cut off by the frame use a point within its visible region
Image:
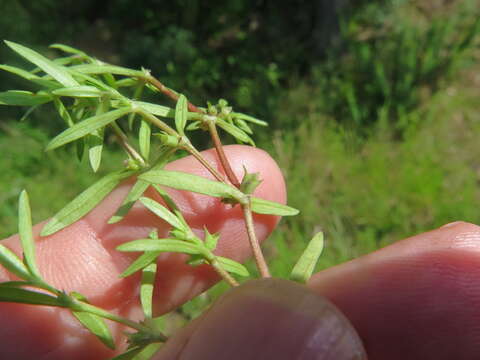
[268, 319]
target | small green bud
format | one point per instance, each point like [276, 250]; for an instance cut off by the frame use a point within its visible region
[249, 182]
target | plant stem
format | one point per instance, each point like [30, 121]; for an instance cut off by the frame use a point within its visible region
[123, 141]
[170, 93]
[157, 122]
[196, 154]
[221, 154]
[211, 126]
[254, 244]
[81, 306]
[224, 274]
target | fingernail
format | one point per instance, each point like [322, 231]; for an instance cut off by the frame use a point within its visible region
[270, 319]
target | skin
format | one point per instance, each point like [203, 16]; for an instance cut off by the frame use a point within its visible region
[416, 299]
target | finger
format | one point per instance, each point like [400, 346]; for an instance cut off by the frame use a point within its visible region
[268, 319]
[83, 258]
[416, 299]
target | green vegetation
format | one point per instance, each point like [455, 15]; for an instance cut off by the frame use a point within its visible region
[380, 134]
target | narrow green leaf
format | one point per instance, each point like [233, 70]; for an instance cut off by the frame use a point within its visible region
[242, 124]
[26, 234]
[15, 283]
[96, 326]
[250, 119]
[235, 131]
[133, 195]
[303, 269]
[31, 77]
[93, 69]
[146, 288]
[181, 113]
[95, 142]
[232, 266]
[144, 136]
[63, 112]
[68, 49]
[20, 72]
[189, 182]
[163, 245]
[142, 261]
[162, 212]
[86, 127]
[84, 202]
[12, 263]
[127, 82]
[79, 91]
[155, 109]
[48, 66]
[262, 206]
[23, 296]
[23, 98]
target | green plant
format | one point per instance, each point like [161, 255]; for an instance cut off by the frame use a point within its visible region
[94, 98]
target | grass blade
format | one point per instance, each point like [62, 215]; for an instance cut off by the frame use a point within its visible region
[48, 66]
[303, 269]
[262, 206]
[96, 326]
[184, 181]
[86, 127]
[163, 245]
[232, 266]
[10, 261]
[146, 289]
[162, 212]
[26, 235]
[23, 98]
[84, 202]
[23, 296]
[181, 113]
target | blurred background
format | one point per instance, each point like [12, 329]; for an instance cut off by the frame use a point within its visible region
[374, 106]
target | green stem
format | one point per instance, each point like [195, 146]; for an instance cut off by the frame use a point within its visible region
[224, 274]
[123, 141]
[196, 154]
[170, 93]
[81, 306]
[221, 154]
[252, 237]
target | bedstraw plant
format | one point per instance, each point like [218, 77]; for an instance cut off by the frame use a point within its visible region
[95, 98]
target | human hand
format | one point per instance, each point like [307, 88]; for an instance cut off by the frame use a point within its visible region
[408, 300]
